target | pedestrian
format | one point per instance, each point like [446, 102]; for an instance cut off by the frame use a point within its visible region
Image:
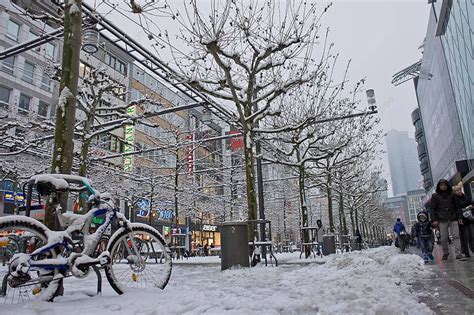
[359, 239]
[206, 252]
[424, 234]
[446, 214]
[465, 229]
[398, 228]
[320, 231]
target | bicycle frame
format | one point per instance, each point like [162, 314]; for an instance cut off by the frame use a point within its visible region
[90, 240]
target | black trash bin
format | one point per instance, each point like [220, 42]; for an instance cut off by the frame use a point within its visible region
[234, 245]
[329, 244]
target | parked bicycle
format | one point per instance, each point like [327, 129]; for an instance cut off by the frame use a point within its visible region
[128, 263]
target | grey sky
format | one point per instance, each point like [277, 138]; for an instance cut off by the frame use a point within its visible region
[381, 38]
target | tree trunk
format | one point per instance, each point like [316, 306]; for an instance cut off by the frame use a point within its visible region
[250, 180]
[66, 109]
[329, 196]
[342, 215]
[303, 207]
[353, 224]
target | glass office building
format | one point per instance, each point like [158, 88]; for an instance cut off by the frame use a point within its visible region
[455, 23]
[437, 103]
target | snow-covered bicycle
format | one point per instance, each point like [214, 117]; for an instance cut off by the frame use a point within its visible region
[136, 255]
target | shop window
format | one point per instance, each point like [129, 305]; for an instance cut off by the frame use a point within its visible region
[4, 97]
[13, 30]
[8, 65]
[43, 109]
[24, 104]
[28, 72]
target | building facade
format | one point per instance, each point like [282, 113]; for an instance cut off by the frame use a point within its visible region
[403, 162]
[415, 204]
[397, 207]
[423, 155]
[444, 89]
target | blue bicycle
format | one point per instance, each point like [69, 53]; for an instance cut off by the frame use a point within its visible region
[136, 255]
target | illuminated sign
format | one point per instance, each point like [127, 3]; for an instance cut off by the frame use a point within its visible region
[208, 227]
[143, 207]
[20, 199]
[9, 196]
[129, 139]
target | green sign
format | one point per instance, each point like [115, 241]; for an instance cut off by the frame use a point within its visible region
[97, 220]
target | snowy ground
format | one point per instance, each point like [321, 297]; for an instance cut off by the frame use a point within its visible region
[368, 282]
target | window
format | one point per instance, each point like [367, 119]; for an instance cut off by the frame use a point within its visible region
[31, 36]
[115, 63]
[24, 104]
[84, 70]
[43, 109]
[8, 65]
[121, 67]
[50, 51]
[46, 82]
[4, 97]
[13, 30]
[28, 71]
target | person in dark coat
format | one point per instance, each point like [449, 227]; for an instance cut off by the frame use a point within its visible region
[465, 229]
[424, 234]
[446, 214]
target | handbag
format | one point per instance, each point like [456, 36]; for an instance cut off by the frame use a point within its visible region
[467, 214]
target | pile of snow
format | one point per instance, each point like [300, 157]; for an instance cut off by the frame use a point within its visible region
[376, 281]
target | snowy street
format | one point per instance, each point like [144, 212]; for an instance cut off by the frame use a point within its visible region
[377, 281]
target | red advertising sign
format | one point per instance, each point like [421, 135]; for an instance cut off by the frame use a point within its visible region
[236, 143]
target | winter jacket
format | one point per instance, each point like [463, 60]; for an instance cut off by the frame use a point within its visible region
[320, 232]
[445, 207]
[444, 204]
[423, 229]
[398, 227]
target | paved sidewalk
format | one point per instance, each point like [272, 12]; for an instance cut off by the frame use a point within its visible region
[450, 288]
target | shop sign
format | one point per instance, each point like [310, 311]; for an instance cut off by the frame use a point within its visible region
[165, 214]
[208, 227]
[143, 207]
[9, 196]
[20, 199]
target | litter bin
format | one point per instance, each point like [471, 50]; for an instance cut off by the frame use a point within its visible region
[329, 244]
[234, 245]
[354, 243]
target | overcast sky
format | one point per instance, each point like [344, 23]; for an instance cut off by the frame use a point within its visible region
[380, 36]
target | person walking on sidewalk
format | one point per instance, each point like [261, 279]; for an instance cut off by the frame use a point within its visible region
[465, 229]
[424, 235]
[445, 213]
[398, 228]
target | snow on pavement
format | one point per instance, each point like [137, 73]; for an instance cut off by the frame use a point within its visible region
[376, 281]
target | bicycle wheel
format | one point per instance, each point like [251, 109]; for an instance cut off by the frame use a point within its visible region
[146, 267]
[18, 287]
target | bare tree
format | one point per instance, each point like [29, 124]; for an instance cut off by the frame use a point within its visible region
[248, 55]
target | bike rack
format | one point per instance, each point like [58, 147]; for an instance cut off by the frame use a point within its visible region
[257, 225]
